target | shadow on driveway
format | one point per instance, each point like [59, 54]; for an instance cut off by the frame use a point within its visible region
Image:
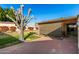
[54, 46]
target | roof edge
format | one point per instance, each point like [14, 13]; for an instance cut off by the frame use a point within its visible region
[57, 20]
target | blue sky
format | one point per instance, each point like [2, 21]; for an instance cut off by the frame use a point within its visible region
[45, 12]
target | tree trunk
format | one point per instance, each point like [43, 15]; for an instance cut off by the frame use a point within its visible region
[21, 35]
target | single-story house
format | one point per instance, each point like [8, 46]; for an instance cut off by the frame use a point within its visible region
[58, 27]
[7, 26]
[10, 26]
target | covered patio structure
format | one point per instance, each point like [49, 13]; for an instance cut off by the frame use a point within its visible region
[59, 27]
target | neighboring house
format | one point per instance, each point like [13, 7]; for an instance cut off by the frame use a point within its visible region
[7, 26]
[59, 27]
[10, 26]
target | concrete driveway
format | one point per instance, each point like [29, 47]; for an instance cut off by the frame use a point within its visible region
[49, 46]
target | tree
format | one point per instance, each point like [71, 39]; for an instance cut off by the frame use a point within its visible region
[10, 12]
[20, 20]
[2, 14]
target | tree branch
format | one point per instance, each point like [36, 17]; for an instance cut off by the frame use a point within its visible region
[26, 22]
[12, 20]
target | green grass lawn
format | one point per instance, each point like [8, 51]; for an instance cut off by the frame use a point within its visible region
[31, 37]
[11, 38]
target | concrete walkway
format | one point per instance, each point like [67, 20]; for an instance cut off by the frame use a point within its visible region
[43, 47]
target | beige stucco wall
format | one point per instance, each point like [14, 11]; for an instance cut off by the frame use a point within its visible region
[6, 24]
[48, 28]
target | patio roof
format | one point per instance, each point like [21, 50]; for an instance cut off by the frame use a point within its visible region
[58, 20]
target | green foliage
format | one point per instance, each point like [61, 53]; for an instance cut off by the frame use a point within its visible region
[11, 38]
[11, 14]
[7, 40]
[4, 12]
[31, 36]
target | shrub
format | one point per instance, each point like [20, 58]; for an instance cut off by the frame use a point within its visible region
[30, 28]
[36, 28]
[3, 28]
[12, 29]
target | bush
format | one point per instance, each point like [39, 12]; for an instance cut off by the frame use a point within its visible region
[3, 28]
[30, 28]
[36, 28]
[12, 29]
